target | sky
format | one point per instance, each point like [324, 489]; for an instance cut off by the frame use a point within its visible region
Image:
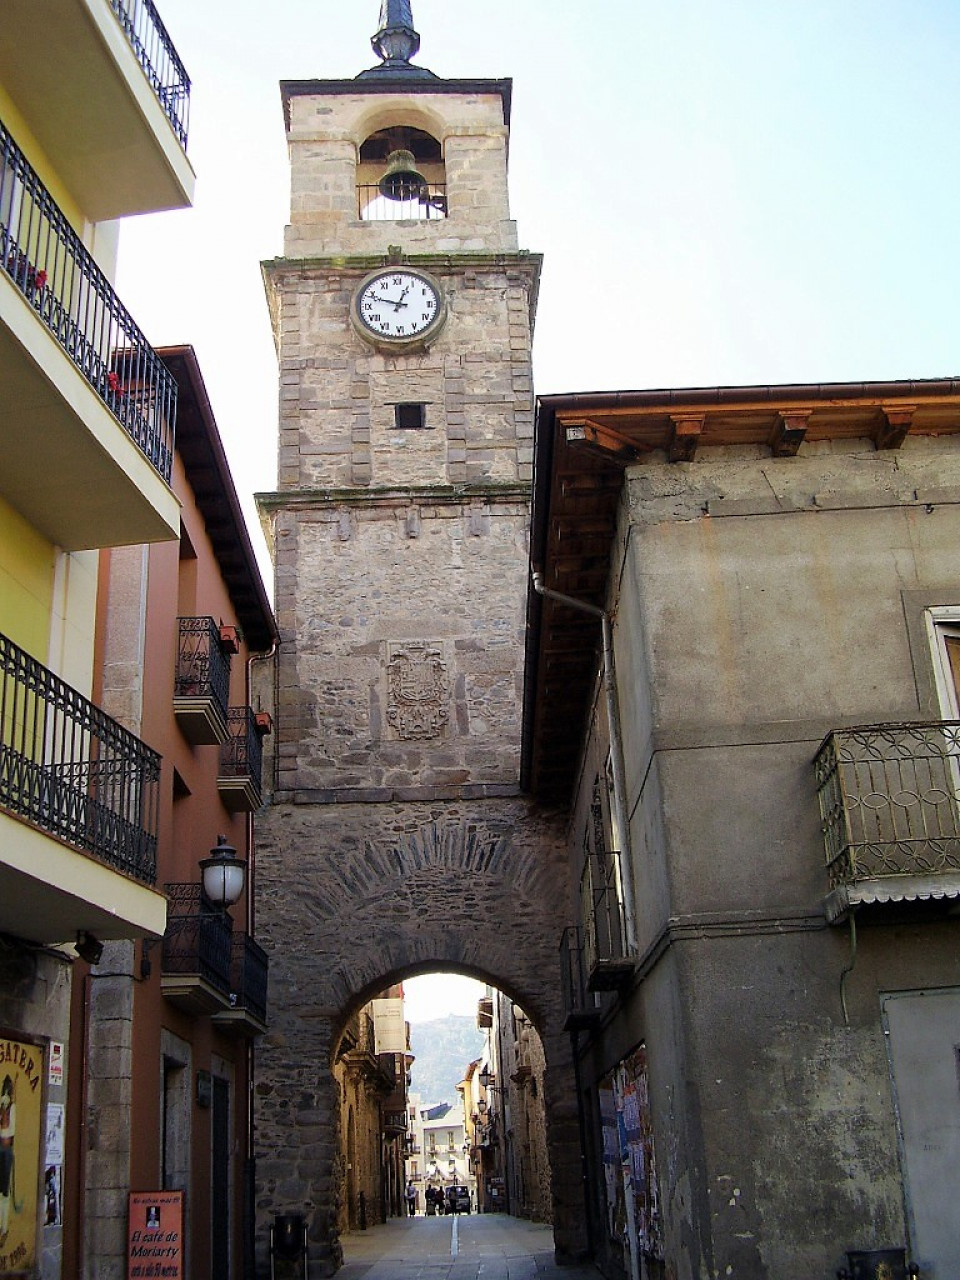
[435, 995]
[724, 191]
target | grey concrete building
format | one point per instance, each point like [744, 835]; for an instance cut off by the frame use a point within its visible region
[397, 839]
[763, 977]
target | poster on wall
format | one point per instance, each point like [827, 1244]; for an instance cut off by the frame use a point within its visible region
[613, 1183]
[639, 1154]
[21, 1099]
[155, 1235]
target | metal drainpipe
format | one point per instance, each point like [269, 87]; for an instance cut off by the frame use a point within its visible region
[616, 748]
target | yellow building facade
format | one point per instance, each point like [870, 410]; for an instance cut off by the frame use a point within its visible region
[93, 128]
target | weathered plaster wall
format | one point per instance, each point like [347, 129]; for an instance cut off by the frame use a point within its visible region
[762, 603]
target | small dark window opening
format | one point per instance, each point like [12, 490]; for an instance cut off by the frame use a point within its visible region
[407, 416]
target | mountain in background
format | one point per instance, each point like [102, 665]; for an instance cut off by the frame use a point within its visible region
[443, 1049]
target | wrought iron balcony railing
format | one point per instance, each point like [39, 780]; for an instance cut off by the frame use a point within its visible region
[373, 206]
[248, 976]
[241, 761]
[201, 688]
[46, 260]
[202, 666]
[197, 951]
[72, 771]
[890, 801]
[579, 1005]
[607, 962]
[159, 59]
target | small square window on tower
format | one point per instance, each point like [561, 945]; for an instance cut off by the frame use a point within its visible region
[410, 416]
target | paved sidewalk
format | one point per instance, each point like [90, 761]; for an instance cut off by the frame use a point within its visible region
[463, 1247]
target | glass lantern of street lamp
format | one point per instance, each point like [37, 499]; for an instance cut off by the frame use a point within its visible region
[487, 1078]
[223, 874]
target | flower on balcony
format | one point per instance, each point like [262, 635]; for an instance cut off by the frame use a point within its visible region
[41, 279]
[114, 384]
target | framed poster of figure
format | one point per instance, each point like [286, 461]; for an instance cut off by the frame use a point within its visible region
[21, 1120]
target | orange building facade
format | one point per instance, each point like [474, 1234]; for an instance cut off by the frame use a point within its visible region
[163, 1029]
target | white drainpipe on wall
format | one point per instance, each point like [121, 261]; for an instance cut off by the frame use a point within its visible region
[616, 749]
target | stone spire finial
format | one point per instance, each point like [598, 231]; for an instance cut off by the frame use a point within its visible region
[396, 42]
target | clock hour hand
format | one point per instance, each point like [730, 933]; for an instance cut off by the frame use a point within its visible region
[396, 303]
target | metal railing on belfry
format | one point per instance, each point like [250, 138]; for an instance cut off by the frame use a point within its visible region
[53, 270]
[71, 770]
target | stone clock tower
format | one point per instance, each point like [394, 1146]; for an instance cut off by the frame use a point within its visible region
[397, 840]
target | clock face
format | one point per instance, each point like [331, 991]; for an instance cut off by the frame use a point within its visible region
[398, 305]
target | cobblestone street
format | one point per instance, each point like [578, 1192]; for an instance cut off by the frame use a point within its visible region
[468, 1247]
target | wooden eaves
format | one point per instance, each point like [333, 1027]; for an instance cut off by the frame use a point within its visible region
[585, 441]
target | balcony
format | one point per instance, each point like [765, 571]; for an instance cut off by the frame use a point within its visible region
[102, 89]
[890, 814]
[608, 966]
[202, 685]
[86, 426]
[394, 1122]
[247, 1014]
[78, 813]
[580, 1006]
[197, 953]
[241, 762]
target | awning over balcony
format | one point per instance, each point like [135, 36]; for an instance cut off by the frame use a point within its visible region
[916, 888]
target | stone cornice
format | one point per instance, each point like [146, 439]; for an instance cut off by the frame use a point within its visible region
[397, 795]
[359, 264]
[497, 493]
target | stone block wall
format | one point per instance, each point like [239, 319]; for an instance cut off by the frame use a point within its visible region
[383, 891]
[337, 395]
[325, 134]
[401, 662]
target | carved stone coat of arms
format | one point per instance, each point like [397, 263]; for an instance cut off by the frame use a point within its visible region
[418, 691]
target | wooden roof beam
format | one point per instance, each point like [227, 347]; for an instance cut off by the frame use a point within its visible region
[895, 422]
[789, 432]
[608, 443]
[687, 429]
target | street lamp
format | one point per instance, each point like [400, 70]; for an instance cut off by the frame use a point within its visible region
[223, 874]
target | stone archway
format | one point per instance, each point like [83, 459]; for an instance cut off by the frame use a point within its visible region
[352, 897]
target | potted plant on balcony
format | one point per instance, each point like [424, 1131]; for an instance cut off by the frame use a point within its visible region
[229, 638]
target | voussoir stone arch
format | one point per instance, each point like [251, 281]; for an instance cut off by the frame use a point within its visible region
[357, 896]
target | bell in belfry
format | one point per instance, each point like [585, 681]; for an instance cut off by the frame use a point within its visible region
[401, 179]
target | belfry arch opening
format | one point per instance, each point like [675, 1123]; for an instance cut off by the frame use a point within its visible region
[440, 1083]
[401, 176]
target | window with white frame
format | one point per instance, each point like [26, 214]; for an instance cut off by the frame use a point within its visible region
[943, 627]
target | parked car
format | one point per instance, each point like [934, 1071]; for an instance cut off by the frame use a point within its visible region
[458, 1200]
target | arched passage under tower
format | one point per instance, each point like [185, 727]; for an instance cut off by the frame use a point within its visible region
[364, 896]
